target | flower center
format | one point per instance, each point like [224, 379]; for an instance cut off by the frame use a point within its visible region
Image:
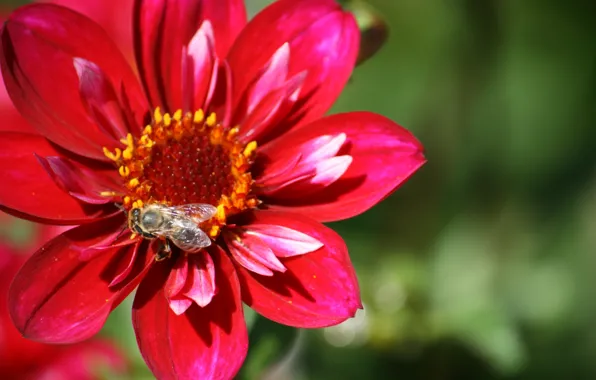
[184, 159]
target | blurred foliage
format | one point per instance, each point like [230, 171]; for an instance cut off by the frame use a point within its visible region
[482, 265]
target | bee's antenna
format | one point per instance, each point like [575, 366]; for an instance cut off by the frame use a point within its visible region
[121, 232]
[121, 208]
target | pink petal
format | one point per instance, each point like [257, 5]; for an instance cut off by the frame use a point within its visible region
[48, 95]
[81, 361]
[271, 77]
[101, 101]
[318, 289]
[199, 70]
[209, 342]
[323, 42]
[384, 155]
[316, 167]
[180, 305]
[192, 279]
[32, 194]
[221, 101]
[284, 241]
[330, 170]
[177, 277]
[203, 286]
[271, 109]
[163, 28]
[56, 298]
[252, 253]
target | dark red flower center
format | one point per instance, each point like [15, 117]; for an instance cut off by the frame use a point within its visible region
[187, 158]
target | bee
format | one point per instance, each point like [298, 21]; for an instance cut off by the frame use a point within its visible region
[176, 224]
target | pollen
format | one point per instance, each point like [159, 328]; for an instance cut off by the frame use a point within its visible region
[185, 158]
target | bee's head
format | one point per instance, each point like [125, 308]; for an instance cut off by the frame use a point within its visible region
[136, 215]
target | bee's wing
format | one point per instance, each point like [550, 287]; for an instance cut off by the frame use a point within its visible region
[199, 212]
[186, 235]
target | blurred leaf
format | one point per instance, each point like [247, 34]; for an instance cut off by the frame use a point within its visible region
[250, 317]
[464, 297]
[17, 232]
[270, 343]
[373, 29]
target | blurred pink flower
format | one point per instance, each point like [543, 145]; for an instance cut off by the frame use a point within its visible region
[21, 358]
[230, 114]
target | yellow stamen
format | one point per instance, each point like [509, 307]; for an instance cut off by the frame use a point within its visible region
[250, 149]
[214, 231]
[146, 141]
[167, 120]
[133, 183]
[178, 115]
[199, 116]
[157, 116]
[127, 153]
[221, 213]
[211, 120]
[112, 156]
[124, 171]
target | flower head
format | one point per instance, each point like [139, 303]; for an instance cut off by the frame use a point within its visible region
[228, 120]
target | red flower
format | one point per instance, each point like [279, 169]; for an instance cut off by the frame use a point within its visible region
[229, 114]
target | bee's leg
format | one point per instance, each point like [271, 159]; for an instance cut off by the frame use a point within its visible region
[164, 252]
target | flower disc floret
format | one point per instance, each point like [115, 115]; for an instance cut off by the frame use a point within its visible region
[187, 158]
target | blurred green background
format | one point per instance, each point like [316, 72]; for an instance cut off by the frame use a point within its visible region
[483, 265]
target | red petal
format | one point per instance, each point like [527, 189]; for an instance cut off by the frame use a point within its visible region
[318, 289]
[323, 42]
[209, 342]
[57, 298]
[81, 182]
[11, 118]
[117, 22]
[32, 193]
[163, 28]
[48, 94]
[384, 156]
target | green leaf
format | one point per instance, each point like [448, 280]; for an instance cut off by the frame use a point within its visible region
[270, 344]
